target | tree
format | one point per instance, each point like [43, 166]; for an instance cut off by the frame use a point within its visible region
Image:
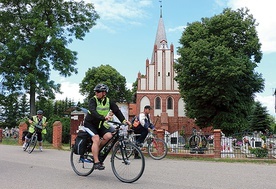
[23, 106]
[260, 120]
[34, 36]
[134, 91]
[10, 114]
[215, 71]
[272, 124]
[109, 76]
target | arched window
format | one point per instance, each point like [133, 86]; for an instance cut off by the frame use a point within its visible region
[157, 103]
[169, 103]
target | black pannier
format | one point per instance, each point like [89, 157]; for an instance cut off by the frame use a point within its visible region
[81, 142]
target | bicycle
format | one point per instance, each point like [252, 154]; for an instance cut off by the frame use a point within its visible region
[31, 144]
[157, 148]
[124, 166]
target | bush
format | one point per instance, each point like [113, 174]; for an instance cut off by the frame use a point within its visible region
[259, 152]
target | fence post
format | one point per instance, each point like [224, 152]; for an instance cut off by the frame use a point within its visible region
[217, 143]
[160, 133]
[57, 134]
[22, 127]
[1, 134]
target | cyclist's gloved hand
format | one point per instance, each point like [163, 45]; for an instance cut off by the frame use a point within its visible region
[127, 122]
[151, 126]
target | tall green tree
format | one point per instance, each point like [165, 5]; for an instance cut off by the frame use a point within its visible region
[10, 114]
[24, 108]
[260, 120]
[215, 71]
[109, 76]
[34, 36]
[272, 124]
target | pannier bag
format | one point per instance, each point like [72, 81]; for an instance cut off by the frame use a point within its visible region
[81, 142]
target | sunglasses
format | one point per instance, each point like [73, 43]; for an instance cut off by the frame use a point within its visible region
[98, 91]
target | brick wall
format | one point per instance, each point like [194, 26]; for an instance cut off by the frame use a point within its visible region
[22, 127]
[57, 134]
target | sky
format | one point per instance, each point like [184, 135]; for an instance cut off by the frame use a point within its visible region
[125, 33]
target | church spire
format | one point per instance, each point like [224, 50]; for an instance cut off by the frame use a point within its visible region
[160, 39]
[160, 8]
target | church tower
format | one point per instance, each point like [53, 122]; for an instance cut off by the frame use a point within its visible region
[158, 88]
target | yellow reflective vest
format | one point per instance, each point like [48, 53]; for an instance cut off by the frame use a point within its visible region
[103, 110]
[35, 122]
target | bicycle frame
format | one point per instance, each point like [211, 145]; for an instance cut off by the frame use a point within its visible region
[124, 166]
[33, 140]
[157, 148]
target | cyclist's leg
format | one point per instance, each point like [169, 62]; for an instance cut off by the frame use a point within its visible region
[39, 139]
[143, 134]
[26, 141]
[95, 146]
[106, 136]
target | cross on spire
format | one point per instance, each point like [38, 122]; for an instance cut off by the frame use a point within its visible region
[160, 1]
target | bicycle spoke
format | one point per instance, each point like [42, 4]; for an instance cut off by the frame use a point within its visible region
[32, 143]
[82, 165]
[127, 168]
[157, 149]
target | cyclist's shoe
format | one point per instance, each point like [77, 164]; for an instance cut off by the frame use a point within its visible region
[99, 166]
[40, 148]
[24, 146]
[84, 160]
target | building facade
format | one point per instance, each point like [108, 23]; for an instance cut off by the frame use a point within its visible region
[158, 88]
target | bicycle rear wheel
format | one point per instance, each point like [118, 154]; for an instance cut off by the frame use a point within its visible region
[157, 149]
[83, 165]
[32, 143]
[124, 166]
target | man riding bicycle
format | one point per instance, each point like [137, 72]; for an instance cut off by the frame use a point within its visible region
[143, 127]
[40, 121]
[95, 121]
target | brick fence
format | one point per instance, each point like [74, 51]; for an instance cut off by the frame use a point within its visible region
[57, 140]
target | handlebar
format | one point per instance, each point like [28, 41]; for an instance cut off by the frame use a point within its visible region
[118, 124]
[39, 126]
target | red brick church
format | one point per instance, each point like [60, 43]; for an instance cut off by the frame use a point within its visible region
[158, 88]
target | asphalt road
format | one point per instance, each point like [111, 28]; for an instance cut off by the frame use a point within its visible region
[51, 169]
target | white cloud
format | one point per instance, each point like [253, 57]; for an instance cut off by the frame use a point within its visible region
[264, 13]
[177, 29]
[70, 91]
[267, 101]
[120, 10]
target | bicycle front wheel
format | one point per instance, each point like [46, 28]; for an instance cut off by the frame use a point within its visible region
[157, 149]
[32, 143]
[125, 164]
[83, 165]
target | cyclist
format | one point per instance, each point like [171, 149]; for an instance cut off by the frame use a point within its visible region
[144, 127]
[38, 120]
[95, 121]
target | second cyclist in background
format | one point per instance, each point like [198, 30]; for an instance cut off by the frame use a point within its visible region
[143, 126]
[40, 121]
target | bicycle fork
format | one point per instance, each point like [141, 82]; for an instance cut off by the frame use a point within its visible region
[123, 151]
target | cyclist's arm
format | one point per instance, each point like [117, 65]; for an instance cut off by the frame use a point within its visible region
[31, 120]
